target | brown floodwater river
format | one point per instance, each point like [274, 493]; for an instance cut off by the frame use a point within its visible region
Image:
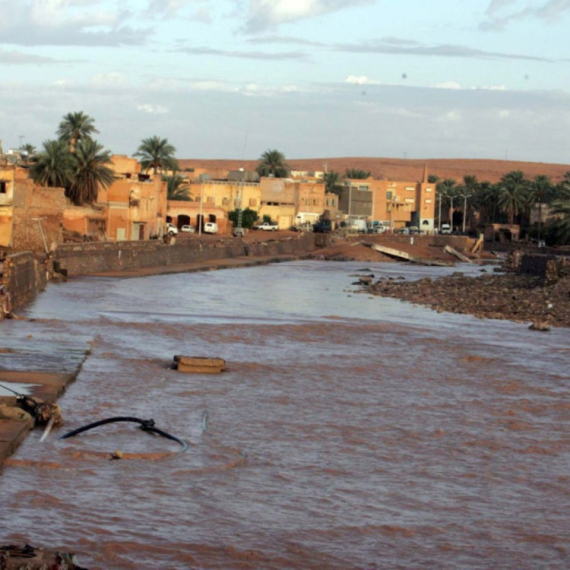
[348, 431]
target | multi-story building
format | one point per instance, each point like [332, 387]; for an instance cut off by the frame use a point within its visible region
[395, 203]
[132, 208]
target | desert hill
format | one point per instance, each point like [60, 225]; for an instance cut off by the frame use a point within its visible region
[402, 169]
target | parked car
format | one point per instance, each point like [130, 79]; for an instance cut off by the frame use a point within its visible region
[188, 229]
[171, 229]
[376, 228]
[404, 231]
[445, 229]
[414, 230]
[268, 226]
[239, 232]
[358, 226]
[322, 227]
[210, 228]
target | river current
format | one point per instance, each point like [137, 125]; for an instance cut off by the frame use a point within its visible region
[348, 431]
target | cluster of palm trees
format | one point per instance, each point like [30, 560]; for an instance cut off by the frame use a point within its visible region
[79, 164]
[75, 161]
[511, 200]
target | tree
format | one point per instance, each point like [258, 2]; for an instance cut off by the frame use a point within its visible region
[89, 172]
[446, 191]
[156, 153]
[75, 127]
[433, 178]
[486, 201]
[333, 182]
[512, 194]
[177, 188]
[52, 166]
[561, 208]
[272, 163]
[356, 174]
[248, 218]
[541, 191]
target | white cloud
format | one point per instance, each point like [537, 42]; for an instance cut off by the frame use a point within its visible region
[66, 22]
[266, 14]
[153, 109]
[113, 79]
[447, 85]
[360, 80]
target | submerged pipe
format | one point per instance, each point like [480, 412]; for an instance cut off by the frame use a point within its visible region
[145, 425]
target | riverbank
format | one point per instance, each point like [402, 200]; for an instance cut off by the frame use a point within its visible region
[520, 298]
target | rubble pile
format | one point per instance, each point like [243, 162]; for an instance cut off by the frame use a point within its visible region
[514, 297]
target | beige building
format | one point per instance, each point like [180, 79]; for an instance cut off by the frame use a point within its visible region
[132, 208]
[30, 215]
[396, 204]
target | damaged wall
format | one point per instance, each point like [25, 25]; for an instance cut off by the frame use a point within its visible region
[84, 258]
[45, 204]
[24, 277]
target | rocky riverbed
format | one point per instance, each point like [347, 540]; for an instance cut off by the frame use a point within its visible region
[508, 296]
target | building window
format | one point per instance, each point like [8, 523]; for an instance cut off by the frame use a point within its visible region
[3, 187]
[428, 189]
[389, 194]
[252, 202]
[364, 188]
[428, 200]
[410, 188]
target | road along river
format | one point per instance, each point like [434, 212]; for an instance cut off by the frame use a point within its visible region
[348, 432]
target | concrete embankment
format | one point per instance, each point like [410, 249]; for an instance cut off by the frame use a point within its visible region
[89, 258]
[50, 367]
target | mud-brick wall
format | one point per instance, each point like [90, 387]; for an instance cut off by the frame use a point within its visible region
[85, 258]
[547, 267]
[24, 278]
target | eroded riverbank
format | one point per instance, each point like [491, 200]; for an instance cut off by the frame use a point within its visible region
[520, 298]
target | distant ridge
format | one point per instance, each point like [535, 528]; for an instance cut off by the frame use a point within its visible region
[403, 169]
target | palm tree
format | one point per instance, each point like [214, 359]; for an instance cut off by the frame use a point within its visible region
[512, 194]
[486, 201]
[52, 166]
[157, 153]
[541, 192]
[356, 174]
[75, 127]
[272, 163]
[433, 178]
[177, 188]
[446, 191]
[562, 226]
[333, 182]
[89, 172]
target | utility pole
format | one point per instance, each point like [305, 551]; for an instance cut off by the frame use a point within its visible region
[439, 218]
[239, 198]
[201, 223]
[21, 137]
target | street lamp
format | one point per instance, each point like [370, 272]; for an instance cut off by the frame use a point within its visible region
[440, 194]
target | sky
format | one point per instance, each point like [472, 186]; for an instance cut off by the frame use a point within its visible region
[311, 78]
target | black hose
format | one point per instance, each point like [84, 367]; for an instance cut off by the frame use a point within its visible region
[145, 425]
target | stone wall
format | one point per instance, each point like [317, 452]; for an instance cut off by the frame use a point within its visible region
[24, 277]
[547, 267]
[37, 211]
[85, 258]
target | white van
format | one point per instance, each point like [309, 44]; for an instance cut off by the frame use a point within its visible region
[210, 228]
[358, 226]
[445, 229]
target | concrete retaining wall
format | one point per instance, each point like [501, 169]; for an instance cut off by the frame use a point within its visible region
[24, 278]
[85, 258]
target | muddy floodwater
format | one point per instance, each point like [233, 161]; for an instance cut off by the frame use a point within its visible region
[348, 431]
